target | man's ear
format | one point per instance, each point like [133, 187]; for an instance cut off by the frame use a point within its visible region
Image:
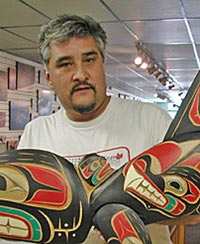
[48, 79]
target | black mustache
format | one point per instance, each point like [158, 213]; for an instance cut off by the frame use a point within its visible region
[80, 84]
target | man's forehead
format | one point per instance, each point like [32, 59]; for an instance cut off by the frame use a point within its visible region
[74, 46]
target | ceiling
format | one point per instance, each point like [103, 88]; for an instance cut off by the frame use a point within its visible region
[168, 29]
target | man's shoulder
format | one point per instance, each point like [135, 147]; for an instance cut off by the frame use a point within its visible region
[136, 104]
[145, 111]
[51, 118]
[117, 101]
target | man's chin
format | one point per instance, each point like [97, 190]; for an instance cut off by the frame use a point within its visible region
[84, 109]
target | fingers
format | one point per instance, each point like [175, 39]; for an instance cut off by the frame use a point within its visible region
[100, 235]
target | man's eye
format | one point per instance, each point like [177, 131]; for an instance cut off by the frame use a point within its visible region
[66, 64]
[89, 60]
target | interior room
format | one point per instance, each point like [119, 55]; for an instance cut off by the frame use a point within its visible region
[152, 56]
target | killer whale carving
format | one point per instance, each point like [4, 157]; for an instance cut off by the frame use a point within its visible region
[45, 199]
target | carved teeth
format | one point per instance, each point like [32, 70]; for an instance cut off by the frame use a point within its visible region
[138, 184]
[13, 227]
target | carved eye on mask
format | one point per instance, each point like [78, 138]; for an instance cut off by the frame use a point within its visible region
[175, 184]
[95, 165]
[13, 184]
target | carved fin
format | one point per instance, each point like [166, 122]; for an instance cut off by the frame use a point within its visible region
[187, 119]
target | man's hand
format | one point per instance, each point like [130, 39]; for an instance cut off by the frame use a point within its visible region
[100, 236]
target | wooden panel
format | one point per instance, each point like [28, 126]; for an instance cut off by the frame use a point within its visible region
[178, 235]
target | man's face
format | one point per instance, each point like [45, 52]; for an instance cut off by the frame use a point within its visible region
[76, 73]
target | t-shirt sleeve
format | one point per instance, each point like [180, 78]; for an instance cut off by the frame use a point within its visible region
[157, 123]
[26, 138]
[163, 125]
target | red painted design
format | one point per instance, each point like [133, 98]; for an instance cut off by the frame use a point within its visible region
[57, 195]
[119, 156]
[194, 193]
[194, 110]
[160, 152]
[193, 161]
[87, 172]
[179, 207]
[123, 227]
[106, 170]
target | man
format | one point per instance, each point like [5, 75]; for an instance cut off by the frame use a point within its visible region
[72, 49]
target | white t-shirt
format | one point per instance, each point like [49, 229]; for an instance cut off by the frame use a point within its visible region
[125, 129]
[126, 125]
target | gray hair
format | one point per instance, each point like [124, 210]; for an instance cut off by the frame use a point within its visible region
[64, 27]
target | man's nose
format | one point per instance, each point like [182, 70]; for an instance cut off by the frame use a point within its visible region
[80, 73]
